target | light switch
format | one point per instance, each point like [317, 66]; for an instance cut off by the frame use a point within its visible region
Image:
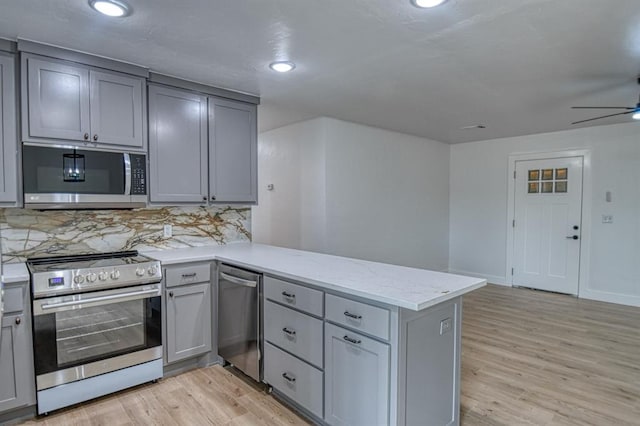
[607, 218]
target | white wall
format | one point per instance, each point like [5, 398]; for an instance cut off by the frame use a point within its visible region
[478, 209]
[356, 191]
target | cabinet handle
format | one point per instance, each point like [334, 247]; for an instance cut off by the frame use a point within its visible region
[213, 198]
[204, 198]
[18, 320]
[289, 332]
[95, 137]
[191, 275]
[354, 316]
[86, 136]
[352, 340]
[170, 294]
[288, 378]
[288, 295]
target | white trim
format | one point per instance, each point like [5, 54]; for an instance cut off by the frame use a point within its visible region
[604, 296]
[491, 279]
[583, 278]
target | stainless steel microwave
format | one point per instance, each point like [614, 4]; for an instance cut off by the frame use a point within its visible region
[68, 178]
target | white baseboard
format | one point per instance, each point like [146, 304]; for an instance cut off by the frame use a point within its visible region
[603, 296]
[491, 279]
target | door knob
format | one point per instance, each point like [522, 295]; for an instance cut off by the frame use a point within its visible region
[18, 320]
[572, 237]
[95, 137]
[86, 136]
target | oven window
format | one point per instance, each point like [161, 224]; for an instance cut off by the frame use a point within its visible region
[50, 172]
[74, 337]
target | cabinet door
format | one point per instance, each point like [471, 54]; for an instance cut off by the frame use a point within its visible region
[188, 321]
[58, 96]
[233, 163]
[356, 379]
[116, 109]
[8, 131]
[177, 146]
[15, 386]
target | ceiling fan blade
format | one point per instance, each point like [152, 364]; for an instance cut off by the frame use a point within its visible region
[604, 116]
[581, 107]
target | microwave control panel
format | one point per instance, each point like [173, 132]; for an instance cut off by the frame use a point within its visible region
[138, 174]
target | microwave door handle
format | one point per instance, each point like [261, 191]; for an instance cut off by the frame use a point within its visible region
[127, 174]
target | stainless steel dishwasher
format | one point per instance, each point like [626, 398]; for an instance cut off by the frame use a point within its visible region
[239, 327]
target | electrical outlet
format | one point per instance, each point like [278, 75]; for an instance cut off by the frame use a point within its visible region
[445, 326]
[607, 218]
[168, 231]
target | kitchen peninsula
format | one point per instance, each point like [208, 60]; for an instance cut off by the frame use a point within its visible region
[395, 359]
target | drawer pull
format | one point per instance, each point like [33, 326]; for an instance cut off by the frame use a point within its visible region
[191, 275]
[354, 316]
[288, 295]
[352, 340]
[289, 331]
[288, 378]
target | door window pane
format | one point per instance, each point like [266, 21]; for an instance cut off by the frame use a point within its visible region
[561, 186]
[534, 175]
[534, 187]
[547, 187]
[547, 174]
[561, 173]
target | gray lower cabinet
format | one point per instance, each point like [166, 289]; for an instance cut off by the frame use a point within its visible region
[356, 378]
[188, 310]
[17, 382]
[178, 165]
[8, 131]
[233, 157]
[68, 101]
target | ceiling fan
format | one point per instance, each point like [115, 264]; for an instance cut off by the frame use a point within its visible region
[628, 110]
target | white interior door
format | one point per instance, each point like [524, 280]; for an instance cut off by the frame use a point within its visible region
[547, 224]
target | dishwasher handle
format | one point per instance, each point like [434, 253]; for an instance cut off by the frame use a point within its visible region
[239, 281]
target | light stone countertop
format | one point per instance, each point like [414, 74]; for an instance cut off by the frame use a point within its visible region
[410, 288]
[15, 273]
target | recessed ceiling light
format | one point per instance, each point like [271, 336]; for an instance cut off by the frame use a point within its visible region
[424, 4]
[110, 7]
[282, 66]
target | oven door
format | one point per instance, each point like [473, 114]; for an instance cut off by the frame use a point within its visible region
[85, 335]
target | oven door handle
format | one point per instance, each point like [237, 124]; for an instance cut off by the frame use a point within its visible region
[99, 299]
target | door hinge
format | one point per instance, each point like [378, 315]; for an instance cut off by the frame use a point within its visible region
[514, 174]
[511, 271]
[513, 223]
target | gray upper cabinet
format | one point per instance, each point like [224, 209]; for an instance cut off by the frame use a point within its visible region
[58, 100]
[177, 146]
[72, 102]
[232, 151]
[8, 131]
[116, 109]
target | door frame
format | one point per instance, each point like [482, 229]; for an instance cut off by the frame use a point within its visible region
[585, 240]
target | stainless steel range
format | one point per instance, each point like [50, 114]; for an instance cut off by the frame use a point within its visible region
[97, 325]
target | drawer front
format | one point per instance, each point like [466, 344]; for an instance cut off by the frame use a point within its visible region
[297, 333]
[14, 298]
[294, 378]
[191, 274]
[358, 316]
[294, 295]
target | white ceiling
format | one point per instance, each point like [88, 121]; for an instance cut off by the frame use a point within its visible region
[514, 65]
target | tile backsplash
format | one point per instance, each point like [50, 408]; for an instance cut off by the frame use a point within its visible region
[31, 233]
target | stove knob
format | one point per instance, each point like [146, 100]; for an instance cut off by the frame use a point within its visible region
[115, 274]
[152, 270]
[102, 276]
[140, 272]
[78, 279]
[91, 277]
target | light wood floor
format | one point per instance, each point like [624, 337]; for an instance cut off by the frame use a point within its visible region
[528, 358]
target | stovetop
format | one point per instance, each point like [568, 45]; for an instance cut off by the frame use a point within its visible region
[53, 276]
[102, 260]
